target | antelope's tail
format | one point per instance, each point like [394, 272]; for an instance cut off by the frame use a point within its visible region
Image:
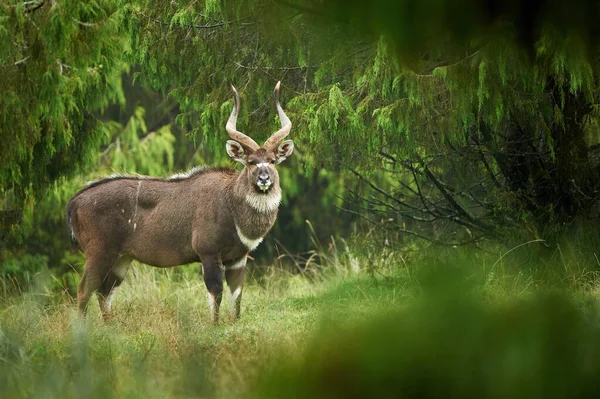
[71, 218]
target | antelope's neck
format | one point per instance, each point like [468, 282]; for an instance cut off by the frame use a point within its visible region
[255, 213]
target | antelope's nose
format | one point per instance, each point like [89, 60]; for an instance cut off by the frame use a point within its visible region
[263, 178]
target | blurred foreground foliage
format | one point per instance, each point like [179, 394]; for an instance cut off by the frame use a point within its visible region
[453, 347]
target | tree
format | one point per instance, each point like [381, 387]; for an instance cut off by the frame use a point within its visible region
[474, 124]
[507, 90]
[61, 63]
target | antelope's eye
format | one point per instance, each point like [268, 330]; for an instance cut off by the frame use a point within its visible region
[251, 163]
[273, 161]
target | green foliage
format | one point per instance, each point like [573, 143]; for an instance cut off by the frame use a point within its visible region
[24, 268]
[60, 63]
[46, 246]
[363, 84]
[137, 151]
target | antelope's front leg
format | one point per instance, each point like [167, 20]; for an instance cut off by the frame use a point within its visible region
[234, 274]
[213, 278]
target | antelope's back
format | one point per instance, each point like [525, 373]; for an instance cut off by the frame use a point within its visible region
[151, 219]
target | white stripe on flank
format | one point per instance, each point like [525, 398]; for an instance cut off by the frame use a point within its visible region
[250, 243]
[137, 198]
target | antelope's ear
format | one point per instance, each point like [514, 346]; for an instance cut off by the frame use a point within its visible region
[284, 150]
[236, 151]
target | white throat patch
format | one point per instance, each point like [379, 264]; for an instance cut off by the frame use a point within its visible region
[249, 243]
[264, 202]
[239, 264]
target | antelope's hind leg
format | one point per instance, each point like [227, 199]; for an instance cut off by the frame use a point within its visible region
[94, 272]
[111, 281]
[234, 275]
[213, 278]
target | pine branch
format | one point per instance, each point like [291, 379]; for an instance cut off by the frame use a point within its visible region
[217, 25]
[296, 68]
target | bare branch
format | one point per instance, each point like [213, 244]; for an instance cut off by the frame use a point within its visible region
[21, 61]
[295, 68]
[453, 202]
[374, 187]
[485, 162]
[34, 8]
[86, 24]
[421, 196]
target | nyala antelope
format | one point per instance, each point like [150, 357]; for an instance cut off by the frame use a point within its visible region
[215, 216]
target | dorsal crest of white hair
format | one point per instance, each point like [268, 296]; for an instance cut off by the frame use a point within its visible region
[185, 175]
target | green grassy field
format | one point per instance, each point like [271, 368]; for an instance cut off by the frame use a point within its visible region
[425, 331]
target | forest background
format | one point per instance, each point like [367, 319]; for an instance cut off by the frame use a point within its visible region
[440, 212]
[444, 128]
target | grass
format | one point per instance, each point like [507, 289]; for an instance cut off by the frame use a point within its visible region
[161, 342]
[423, 328]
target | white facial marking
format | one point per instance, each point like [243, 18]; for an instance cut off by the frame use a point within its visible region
[249, 243]
[239, 264]
[134, 226]
[264, 202]
[262, 165]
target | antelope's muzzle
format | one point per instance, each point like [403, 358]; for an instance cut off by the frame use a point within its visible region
[264, 181]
